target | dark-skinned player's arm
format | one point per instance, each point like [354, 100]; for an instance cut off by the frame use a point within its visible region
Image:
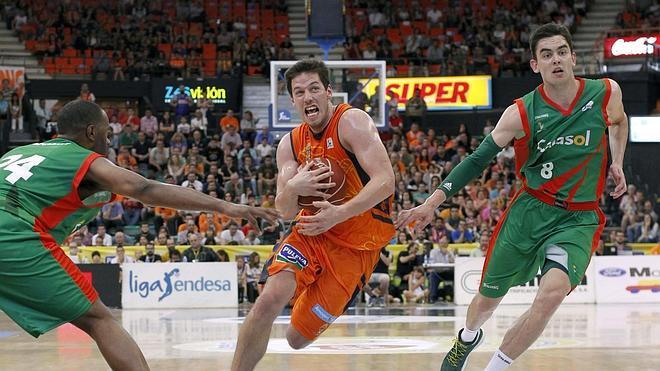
[107, 176]
[508, 127]
[295, 180]
[618, 138]
[359, 135]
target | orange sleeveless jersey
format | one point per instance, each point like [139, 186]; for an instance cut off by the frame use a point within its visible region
[370, 230]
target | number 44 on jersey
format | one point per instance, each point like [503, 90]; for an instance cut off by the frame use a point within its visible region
[19, 167]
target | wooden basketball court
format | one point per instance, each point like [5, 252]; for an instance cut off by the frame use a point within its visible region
[579, 337]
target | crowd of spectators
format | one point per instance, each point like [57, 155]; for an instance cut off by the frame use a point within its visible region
[142, 39]
[138, 40]
[639, 14]
[426, 37]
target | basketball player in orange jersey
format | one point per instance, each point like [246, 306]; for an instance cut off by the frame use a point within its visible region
[325, 259]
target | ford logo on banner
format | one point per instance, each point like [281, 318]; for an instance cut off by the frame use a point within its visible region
[612, 272]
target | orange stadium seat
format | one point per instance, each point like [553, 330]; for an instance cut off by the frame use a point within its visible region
[209, 51]
[209, 68]
[50, 66]
[406, 30]
[66, 69]
[196, 29]
[268, 13]
[435, 69]
[359, 26]
[31, 45]
[282, 21]
[212, 13]
[279, 37]
[41, 46]
[436, 31]
[166, 49]
[422, 26]
[69, 52]
[239, 9]
[394, 36]
[378, 31]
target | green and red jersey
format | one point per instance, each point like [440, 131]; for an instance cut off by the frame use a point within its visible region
[562, 156]
[39, 185]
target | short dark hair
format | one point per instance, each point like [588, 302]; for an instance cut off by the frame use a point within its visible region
[307, 65]
[75, 116]
[550, 30]
[96, 253]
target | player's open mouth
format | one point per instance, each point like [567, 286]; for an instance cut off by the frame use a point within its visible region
[558, 71]
[311, 112]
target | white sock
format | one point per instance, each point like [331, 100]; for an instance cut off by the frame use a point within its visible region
[499, 362]
[468, 336]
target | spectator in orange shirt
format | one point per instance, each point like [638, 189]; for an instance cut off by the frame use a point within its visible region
[414, 135]
[177, 63]
[229, 120]
[423, 160]
[396, 162]
[166, 216]
[130, 119]
[192, 166]
[224, 219]
[126, 160]
[85, 94]
[204, 221]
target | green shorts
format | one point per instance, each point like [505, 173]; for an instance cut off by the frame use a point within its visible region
[40, 287]
[532, 234]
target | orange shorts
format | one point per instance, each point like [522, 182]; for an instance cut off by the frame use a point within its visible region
[328, 277]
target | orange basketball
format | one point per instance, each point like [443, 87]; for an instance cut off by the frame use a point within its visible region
[337, 194]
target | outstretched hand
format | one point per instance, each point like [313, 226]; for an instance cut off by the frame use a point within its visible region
[421, 215]
[252, 214]
[616, 172]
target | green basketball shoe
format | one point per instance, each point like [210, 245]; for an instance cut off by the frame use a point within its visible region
[457, 357]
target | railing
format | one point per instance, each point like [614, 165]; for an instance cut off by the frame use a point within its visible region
[87, 65]
[631, 31]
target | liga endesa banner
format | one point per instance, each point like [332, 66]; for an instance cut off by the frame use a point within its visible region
[628, 279]
[467, 277]
[630, 46]
[16, 77]
[179, 285]
[440, 93]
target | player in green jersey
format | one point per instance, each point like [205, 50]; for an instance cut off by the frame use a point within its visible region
[48, 190]
[553, 223]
